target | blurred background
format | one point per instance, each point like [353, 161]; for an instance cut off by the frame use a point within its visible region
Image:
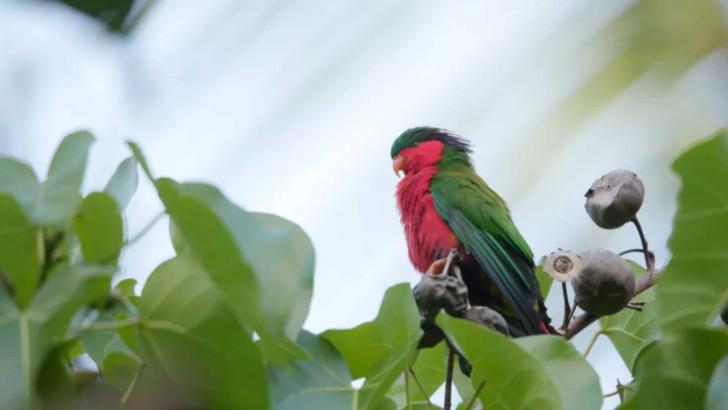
[291, 107]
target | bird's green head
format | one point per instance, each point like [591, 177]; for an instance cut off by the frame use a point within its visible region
[423, 147]
[413, 137]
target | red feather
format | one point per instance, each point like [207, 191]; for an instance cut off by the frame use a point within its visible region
[428, 236]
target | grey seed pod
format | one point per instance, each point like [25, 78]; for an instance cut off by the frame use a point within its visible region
[605, 284]
[562, 265]
[615, 198]
[487, 317]
[433, 293]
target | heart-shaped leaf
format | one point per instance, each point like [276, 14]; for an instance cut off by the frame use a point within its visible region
[543, 372]
[694, 286]
[123, 183]
[18, 249]
[100, 229]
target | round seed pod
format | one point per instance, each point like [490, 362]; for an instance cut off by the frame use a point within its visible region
[605, 284]
[486, 316]
[433, 293]
[562, 265]
[615, 198]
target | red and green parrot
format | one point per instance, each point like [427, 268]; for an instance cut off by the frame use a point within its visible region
[444, 204]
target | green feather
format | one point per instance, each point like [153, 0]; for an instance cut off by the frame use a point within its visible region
[482, 223]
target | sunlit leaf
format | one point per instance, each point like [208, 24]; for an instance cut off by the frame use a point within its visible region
[191, 342]
[543, 372]
[100, 229]
[18, 179]
[674, 372]
[694, 286]
[58, 197]
[262, 264]
[18, 249]
[429, 370]
[381, 349]
[27, 336]
[544, 281]
[123, 183]
[321, 382]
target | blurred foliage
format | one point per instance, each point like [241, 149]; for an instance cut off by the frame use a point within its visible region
[115, 15]
[219, 325]
[665, 37]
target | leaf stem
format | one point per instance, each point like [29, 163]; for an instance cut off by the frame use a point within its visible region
[592, 341]
[132, 384]
[144, 230]
[567, 307]
[649, 260]
[407, 390]
[474, 399]
[115, 325]
[419, 386]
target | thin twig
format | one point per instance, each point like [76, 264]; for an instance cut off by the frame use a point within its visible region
[474, 399]
[448, 379]
[567, 307]
[144, 230]
[448, 263]
[422, 389]
[628, 251]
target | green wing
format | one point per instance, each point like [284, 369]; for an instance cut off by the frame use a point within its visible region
[481, 221]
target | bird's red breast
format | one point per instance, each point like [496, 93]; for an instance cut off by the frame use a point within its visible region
[428, 236]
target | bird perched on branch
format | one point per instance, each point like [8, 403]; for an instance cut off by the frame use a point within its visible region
[444, 204]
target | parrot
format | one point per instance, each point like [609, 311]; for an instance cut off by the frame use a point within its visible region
[445, 205]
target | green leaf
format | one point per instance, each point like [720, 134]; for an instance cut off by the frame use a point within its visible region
[18, 179]
[321, 382]
[717, 396]
[100, 229]
[58, 197]
[261, 263]
[28, 336]
[139, 156]
[543, 372]
[18, 250]
[382, 349]
[429, 368]
[674, 372]
[544, 281]
[694, 286]
[190, 340]
[630, 330]
[123, 183]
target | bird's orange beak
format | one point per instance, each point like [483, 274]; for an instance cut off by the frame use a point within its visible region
[398, 165]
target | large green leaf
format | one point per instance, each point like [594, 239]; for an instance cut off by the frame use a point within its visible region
[28, 336]
[123, 183]
[263, 264]
[694, 286]
[630, 330]
[539, 372]
[717, 396]
[674, 372]
[381, 349]
[58, 197]
[192, 342]
[18, 179]
[429, 369]
[18, 249]
[321, 382]
[100, 228]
